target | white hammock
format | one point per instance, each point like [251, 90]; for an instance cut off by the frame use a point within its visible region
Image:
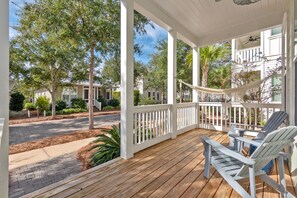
[224, 91]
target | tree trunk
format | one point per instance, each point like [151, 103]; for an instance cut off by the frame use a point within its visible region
[53, 94]
[91, 88]
[204, 81]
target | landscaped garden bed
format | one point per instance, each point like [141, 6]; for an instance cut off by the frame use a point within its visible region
[61, 139]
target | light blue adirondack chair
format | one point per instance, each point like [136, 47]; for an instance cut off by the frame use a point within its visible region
[233, 166]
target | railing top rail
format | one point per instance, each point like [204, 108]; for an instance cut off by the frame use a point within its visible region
[238, 104]
[150, 108]
[188, 104]
[250, 48]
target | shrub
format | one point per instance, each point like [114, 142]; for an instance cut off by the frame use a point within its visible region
[147, 101]
[16, 102]
[114, 102]
[30, 106]
[72, 110]
[136, 98]
[107, 147]
[43, 103]
[103, 101]
[108, 108]
[60, 105]
[78, 103]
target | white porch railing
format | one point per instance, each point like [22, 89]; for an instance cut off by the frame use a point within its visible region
[151, 125]
[187, 115]
[97, 104]
[248, 55]
[219, 116]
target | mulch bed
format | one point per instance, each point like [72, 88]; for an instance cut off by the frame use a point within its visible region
[21, 120]
[61, 139]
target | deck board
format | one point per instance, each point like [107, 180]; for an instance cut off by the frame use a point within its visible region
[173, 168]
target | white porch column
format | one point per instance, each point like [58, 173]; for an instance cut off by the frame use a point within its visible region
[196, 81]
[4, 96]
[172, 39]
[127, 64]
[233, 49]
[196, 72]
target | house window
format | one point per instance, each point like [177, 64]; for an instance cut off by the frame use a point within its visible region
[158, 96]
[107, 95]
[154, 95]
[276, 31]
[68, 94]
[276, 88]
[149, 94]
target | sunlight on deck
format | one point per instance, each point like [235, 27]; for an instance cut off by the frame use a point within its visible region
[173, 168]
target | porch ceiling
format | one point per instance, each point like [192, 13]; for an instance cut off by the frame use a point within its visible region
[202, 22]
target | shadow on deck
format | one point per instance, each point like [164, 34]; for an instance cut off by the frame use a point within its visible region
[173, 168]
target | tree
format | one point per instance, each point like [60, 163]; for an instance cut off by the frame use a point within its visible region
[220, 77]
[47, 46]
[210, 56]
[96, 25]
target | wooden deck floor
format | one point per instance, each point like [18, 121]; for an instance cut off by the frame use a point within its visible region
[173, 168]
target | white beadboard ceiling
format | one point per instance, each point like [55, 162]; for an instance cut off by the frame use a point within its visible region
[202, 22]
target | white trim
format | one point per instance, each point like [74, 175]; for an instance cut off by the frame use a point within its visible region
[171, 88]
[127, 84]
[188, 128]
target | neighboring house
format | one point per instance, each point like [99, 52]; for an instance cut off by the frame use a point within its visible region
[263, 51]
[78, 90]
[148, 92]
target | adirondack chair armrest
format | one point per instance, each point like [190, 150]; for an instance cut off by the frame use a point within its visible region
[227, 151]
[246, 140]
[243, 132]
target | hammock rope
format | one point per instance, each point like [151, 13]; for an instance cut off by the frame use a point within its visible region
[225, 91]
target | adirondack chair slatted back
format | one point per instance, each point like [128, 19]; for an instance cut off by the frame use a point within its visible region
[269, 149]
[275, 121]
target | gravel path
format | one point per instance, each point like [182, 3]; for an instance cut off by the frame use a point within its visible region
[28, 132]
[32, 177]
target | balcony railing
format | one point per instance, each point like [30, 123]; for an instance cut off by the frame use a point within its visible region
[248, 55]
[152, 124]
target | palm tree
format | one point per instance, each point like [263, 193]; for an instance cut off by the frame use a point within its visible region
[209, 55]
[107, 146]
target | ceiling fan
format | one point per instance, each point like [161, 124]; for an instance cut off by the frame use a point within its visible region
[242, 2]
[252, 39]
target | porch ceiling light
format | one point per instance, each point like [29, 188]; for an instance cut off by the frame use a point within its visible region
[245, 2]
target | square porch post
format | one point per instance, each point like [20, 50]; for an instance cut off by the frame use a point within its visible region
[196, 81]
[171, 98]
[4, 96]
[127, 86]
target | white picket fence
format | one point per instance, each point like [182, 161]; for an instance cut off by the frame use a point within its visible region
[152, 124]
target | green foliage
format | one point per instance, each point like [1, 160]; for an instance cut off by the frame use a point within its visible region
[220, 77]
[71, 110]
[103, 101]
[43, 103]
[116, 95]
[108, 108]
[108, 146]
[78, 103]
[114, 102]
[16, 102]
[147, 101]
[30, 106]
[60, 105]
[136, 98]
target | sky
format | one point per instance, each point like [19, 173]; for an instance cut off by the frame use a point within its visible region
[147, 41]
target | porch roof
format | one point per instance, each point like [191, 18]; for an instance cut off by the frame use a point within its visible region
[200, 22]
